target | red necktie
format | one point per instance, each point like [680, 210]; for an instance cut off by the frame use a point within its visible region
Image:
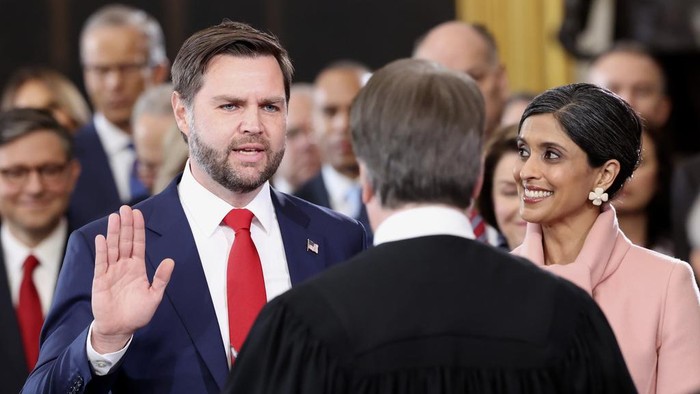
[245, 286]
[29, 313]
[478, 226]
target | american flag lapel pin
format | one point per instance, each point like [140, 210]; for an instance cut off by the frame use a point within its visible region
[311, 246]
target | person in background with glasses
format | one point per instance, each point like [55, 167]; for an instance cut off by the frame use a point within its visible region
[37, 175]
[122, 51]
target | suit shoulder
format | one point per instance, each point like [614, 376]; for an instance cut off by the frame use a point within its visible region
[85, 133]
[317, 212]
[310, 190]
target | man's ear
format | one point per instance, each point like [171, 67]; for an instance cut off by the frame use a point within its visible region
[366, 184]
[180, 112]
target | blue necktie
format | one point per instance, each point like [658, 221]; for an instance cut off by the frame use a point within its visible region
[136, 187]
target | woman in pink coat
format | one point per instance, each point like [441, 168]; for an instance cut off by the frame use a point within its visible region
[578, 144]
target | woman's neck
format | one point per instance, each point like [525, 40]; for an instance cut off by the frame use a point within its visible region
[635, 226]
[563, 241]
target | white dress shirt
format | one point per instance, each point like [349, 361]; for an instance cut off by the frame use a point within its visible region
[48, 252]
[205, 212]
[121, 157]
[423, 221]
[342, 192]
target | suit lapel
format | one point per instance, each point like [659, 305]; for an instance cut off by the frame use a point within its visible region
[303, 263]
[169, 235]
[11, 349]
[319, 189]
[96, 167]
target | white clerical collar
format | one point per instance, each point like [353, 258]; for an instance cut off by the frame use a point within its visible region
[423, 221]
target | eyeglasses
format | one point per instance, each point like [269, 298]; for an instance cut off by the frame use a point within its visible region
[121, 68]
[48, 173]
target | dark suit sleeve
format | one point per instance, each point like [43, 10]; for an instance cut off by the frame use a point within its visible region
[63, 366]
[281, 355]
[684, 190]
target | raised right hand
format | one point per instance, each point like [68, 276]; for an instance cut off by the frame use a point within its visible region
[123, 300]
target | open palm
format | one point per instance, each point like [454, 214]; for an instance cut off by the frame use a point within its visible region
[123, 299]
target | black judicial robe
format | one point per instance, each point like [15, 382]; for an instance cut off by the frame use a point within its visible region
[434, 314]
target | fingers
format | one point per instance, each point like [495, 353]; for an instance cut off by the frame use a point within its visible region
[100, 255]
[162, 275]
[126, 231]
[139, 232]
[112, 242]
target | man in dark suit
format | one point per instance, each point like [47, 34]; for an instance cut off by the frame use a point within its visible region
[145, 324]
[37, 175]
[428, 309]
[336, 186]
[122, 51]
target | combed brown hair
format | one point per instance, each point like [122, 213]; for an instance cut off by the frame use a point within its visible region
[226, 38]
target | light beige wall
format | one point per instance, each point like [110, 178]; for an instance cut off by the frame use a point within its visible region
[526, 33]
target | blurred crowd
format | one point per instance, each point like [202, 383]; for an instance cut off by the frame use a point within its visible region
[67, 160]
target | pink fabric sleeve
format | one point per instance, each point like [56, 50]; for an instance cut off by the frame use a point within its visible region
[679, 341]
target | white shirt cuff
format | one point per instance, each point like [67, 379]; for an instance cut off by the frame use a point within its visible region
[103, 364]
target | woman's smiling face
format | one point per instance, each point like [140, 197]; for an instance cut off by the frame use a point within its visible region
[553, 175]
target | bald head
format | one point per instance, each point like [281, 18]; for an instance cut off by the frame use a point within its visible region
[470, 49]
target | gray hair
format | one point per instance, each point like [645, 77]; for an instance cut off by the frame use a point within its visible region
[154, 101]
[123, 15]
[418, 128]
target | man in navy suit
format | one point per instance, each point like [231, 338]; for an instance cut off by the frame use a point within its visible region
[122, 51]
[37, 175]
[151, 314]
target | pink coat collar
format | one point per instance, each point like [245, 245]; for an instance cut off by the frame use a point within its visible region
[601, 255]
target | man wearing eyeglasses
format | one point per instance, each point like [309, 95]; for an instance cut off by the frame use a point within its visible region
[122, 51]
[37, 175]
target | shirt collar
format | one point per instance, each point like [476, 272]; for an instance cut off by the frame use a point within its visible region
[337, 184]
[210, 209]
[49, 252]
[112, 137]
[423, 221]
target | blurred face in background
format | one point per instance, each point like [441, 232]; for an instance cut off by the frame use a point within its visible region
[506, 203]
[639, 190]
[334, 91]
[301, 160]
[116, 70]
[461, 48]
[149, 136]
[36, 181]
[35, 94]
[638, 80]
[513, 111]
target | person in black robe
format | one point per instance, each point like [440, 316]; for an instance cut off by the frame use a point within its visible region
[428, 309]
